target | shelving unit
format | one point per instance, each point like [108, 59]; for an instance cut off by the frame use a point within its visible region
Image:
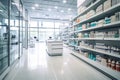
[101, 52]
[111, 25]
[107, 71]
[88, 8]
[64, 34]
[100, 15]
[101, 40]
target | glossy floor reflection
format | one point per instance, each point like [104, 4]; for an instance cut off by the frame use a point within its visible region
[37, 65]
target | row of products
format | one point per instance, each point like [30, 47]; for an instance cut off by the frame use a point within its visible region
[107, 20]
[111, 63]
[106, 5]
[82, 8]
[102, 47]
[98, 34]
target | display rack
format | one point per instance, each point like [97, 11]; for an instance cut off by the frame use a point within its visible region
[98, 36]
[64, 34]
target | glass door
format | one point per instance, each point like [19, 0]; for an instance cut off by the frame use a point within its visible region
[3, 35]
[14, 31]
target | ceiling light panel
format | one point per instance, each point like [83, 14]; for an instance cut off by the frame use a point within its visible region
[64, 1]
[36, 5]
[33, 8]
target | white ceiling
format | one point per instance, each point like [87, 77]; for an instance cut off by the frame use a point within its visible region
[46, 9]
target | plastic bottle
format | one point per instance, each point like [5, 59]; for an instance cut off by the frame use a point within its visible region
[118, 65]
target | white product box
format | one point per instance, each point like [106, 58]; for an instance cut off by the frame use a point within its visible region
[107, 4]
[81, 9]
[113, 18]
[104, 62]
[100, 22]
[118, 1]
[99, 8]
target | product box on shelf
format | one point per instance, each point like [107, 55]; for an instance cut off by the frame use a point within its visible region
[79, 27]
[107, 20]
[80, 35]
[88, 25]
[98, 58]
[107, 4]
[81, 9]
[114, 2]
[100, 22]
[99, 8]
[90, 13]
[115, 50]
[113, 18]
[99, 34]
[117, 16]
[93, 24]
[86, 54]
[86, 35]
[84, 26]
[119, 32]
[104, 61]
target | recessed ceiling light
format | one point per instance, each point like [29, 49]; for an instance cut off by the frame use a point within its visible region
[62, 11]
[56, 7]
[1, 10]
[64, 1]
[36, 5]
[33, 8]
[69, 9]
[49, 9]
[13, 3]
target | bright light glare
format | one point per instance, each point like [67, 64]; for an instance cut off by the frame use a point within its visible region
[33, 8]
[62, 11]
[56, 7]
[64, 1]
[36, 5]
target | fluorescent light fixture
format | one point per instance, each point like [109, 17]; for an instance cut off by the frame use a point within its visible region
[0, 27]
[69, 9]
[36, 5]
[64, 1]
[62, 11]
[56, 7]
[33, 8]
[49, 9]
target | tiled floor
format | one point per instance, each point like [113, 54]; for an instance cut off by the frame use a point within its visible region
[37, 65]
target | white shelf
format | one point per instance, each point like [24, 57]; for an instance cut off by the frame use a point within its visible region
[105, 69]
[100, 15]
[112, 39]
[102, 52]
[108, 39]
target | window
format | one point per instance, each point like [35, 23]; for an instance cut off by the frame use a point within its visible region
[40, 24]
[11, 22]
[33, 24]
[57, 24]
[33, 29]
[48, 24]
[16, 22]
